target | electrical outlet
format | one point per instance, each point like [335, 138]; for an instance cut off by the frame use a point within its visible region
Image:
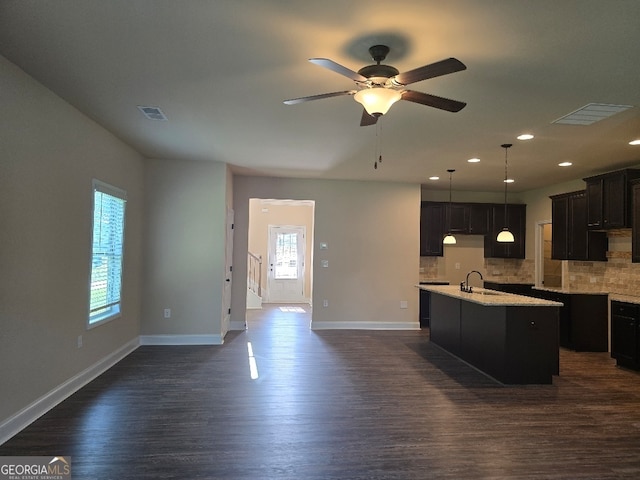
[404, 304]
[457, 265]
[325, 263]
[167, 313]
[325, 303]
[79, 341]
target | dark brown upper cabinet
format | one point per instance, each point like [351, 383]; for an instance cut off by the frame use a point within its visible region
[570, 237]
[609, 199]
[467, 218]
[432, 225]
[516, 221]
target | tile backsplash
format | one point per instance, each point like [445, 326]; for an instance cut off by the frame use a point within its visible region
[617, 275]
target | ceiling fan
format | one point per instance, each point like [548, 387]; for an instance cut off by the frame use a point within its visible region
[380, 86]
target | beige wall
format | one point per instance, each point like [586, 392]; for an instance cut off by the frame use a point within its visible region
[372, 230]
[263, 213]
[185, 247]
[50, 153]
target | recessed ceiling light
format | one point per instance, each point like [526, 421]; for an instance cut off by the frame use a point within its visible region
[565, 164]
[473, 160]
[434, 178]
[525, 136]
[635, 142]
[509, 180]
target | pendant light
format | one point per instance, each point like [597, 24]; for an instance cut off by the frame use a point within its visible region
[449, 239]
[505, 236]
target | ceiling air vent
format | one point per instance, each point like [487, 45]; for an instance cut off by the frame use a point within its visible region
[153, 113]
[591, 113]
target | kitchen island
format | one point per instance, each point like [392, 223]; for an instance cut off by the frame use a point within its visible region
[511, 338]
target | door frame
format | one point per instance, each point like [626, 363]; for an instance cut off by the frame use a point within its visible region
[302, 246]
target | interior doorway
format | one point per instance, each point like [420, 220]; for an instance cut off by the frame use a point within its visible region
[280, 246]
[548, 270]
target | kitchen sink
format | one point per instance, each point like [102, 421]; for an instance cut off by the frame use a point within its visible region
[488, 292]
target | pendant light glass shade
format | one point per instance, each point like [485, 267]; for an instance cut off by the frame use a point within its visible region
[505, 236]
[377, 100]
[449, 239]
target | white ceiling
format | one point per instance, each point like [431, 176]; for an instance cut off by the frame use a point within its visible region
[221, 69]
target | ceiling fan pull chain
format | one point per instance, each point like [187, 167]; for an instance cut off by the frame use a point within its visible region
[379, 127]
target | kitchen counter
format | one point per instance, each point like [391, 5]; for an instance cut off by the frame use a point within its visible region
[511, 338]
[624, 298]
[570, 291]
[487, 297]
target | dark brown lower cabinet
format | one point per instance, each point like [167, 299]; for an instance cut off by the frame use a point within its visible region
[625, 323]
[583, 319]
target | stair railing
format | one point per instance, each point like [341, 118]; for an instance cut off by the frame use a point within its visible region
[254, 274]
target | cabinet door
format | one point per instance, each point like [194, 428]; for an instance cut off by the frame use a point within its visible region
[478, 219]
[431, 229]
[559, 227]
[614, 194]
[594, 203]
[577, 228]
[457, 220]
[623, 339]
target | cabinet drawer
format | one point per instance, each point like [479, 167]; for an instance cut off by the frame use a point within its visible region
[624, 309]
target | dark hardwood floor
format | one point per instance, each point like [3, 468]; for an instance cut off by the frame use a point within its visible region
[339, 405]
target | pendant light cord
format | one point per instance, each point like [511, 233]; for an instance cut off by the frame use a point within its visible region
[506, 147]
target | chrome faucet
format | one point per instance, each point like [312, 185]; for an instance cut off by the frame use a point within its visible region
[464, 286]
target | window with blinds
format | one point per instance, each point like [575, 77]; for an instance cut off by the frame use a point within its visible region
[107, 250]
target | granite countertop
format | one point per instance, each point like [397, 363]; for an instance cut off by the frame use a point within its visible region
[490, 298]
[624, 298]
[569, 290]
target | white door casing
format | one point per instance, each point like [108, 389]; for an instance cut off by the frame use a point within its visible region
[226, 287]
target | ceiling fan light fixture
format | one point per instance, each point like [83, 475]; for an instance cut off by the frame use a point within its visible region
[377, 100]
[635, 142]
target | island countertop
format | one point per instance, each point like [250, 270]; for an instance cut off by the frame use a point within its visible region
[489, 298]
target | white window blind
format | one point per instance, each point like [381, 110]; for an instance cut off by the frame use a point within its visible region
[107, 252]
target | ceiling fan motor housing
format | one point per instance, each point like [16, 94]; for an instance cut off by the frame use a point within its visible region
[372, 72]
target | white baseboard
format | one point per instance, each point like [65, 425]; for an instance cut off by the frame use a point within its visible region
[181, 340]
[32, 412]
[365, 326]
[238, 325]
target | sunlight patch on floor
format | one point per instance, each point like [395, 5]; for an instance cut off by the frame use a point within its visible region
[292, 309]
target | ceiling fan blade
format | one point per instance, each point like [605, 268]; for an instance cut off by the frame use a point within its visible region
[293, 101]
[443, 67]
[433, 101]
[367, 119]
[336, 67]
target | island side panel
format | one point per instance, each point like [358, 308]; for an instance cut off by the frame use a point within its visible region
[483, 338]
[445, 322]
[532, 344]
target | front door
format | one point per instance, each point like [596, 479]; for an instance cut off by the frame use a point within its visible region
[285, 277]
